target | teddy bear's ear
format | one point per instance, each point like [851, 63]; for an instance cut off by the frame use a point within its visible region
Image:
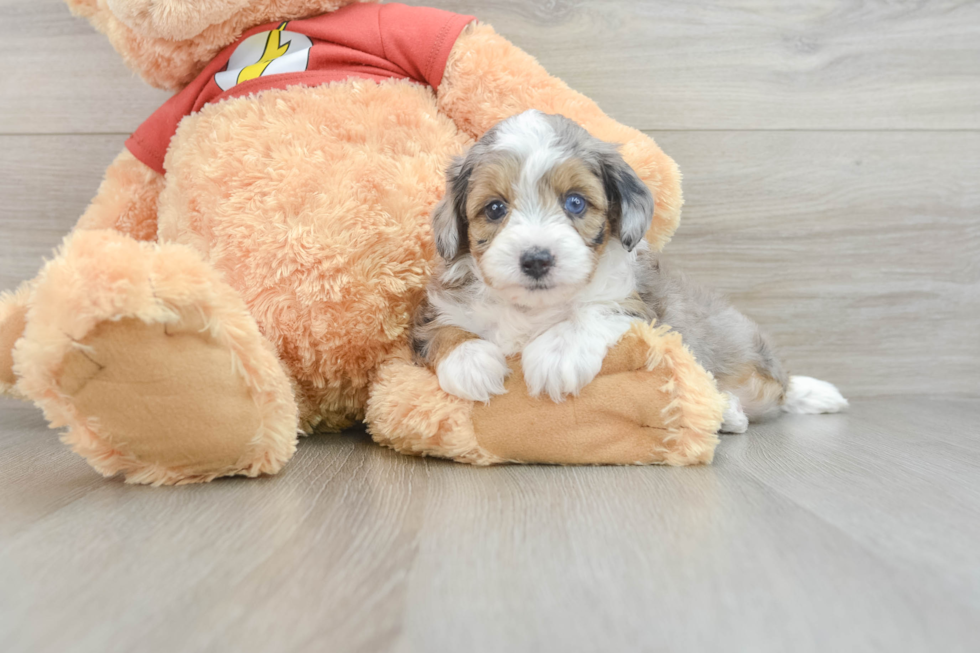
[175, 20]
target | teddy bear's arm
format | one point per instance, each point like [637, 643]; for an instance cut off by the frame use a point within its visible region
[488, 79]
[127, 200]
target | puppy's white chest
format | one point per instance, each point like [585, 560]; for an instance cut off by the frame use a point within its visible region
[511, 328]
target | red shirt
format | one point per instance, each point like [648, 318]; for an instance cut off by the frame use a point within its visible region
[367, 41]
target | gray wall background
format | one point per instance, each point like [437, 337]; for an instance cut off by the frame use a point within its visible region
[830, 150]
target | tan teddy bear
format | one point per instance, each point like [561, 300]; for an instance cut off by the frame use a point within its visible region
[250, 265]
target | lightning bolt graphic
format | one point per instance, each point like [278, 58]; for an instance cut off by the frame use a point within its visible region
[273, 50]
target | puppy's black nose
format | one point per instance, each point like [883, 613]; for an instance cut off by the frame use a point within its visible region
[536, 262]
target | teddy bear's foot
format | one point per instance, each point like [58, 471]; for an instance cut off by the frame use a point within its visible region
[13, 319]
[154, 365]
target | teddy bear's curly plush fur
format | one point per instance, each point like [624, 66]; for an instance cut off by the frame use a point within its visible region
[193, 322]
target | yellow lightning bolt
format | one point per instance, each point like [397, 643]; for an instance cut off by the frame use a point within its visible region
[273, 50]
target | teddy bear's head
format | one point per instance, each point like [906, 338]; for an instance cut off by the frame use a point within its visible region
[168, 42]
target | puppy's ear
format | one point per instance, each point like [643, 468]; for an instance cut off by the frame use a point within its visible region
[630, 201]
[449, 223]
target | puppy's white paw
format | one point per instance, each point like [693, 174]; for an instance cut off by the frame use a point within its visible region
[563, 359]
[475, 370]
[734, 419]
[809, 396]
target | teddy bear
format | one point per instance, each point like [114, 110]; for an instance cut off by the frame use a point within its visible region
[249, 267]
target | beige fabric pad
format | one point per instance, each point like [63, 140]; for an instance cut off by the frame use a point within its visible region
[127, 376]
[617, 418]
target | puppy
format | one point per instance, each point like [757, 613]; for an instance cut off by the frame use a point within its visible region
[541, 236]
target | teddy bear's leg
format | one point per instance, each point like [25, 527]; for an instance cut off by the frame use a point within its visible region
[127, 203]
[127, 199]
[650, 404]
[153, 363]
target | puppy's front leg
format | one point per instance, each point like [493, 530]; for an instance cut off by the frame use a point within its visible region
[467, 366]
[563, 359]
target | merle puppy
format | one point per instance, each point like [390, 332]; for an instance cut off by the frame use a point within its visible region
[541, 238]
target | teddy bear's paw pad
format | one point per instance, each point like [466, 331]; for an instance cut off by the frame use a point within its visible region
[162, 395]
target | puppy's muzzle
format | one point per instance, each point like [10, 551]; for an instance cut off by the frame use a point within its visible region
[537, 262]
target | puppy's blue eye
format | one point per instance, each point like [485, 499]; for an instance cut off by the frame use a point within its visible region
[495, 210]
[575, 204]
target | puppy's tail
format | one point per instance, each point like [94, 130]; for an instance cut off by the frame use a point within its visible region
[808, 396]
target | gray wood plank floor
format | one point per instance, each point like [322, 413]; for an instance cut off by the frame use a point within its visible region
[831, 156]
[834, 533]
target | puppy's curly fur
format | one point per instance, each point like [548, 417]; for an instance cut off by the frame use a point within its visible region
[541, 236]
